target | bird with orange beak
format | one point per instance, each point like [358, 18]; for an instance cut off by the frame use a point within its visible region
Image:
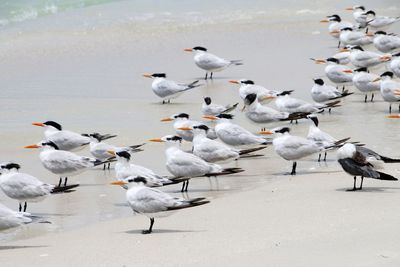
[168, 89]
[359, 15]
[209, 62]
[335, 25]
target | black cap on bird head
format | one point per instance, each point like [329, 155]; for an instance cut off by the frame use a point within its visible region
[360, 7]
[346, 29]
[362, 69]
[370, 12]
[332, 59]
[159, 75]
[174, 138]
[53, 124]
[199, 48]
[334, 17]
[138, 179]
[246, 82]
[380, 32]
[124, 154]
[225, 116]
[387, 74]
[181, 115]
[202, 127]
[357, 47]
[250, 98]
[283, 130]
[10, 166]
[207, 100]
[50, 144]
[314, 119]
[319, 81]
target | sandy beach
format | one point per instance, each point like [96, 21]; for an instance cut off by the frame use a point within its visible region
[72, 68]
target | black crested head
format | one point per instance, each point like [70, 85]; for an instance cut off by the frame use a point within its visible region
[332, 59]
[361, 7]
[357, 47]
[138, 179]
[283, 130]
[202, 127]
[370, 12]
[334, 17]
[182, 115]
[175, 139]
[247, 82]
[250, 98]
[380, 32]
[319, 81]
[159, 75]
[346, 29]
[362, 69]
[225, 116]
[124, 154]
[314, 119]
[50, 144]
[387, 74]
[199, 48]
[10, 166]
[207, 100]
[53, 124]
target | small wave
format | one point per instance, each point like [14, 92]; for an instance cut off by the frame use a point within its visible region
[308, 12]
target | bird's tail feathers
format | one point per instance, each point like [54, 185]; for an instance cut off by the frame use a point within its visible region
[385, 176]
[237, 62]
[250, 150]
[64, 189]
[229, 109]
[389, 160]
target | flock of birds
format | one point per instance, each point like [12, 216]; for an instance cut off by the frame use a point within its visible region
[219, 140]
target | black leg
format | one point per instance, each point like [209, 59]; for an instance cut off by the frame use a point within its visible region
[211, 75]
[187, 184]
[59, 182]
[294, 168]
[399, 107]
[343, 89]
[104, 166]
[297, 122]
[319, 157]
[329, 110]
[145, 232]
[25, 206]
[183, 186]
[372, 97]
[206, 76]
[365, 99]
[390, 108]
[20, 207]
[163, 102]
[354, 185]
[65, 181]
[325, 156]
[109, 164]
[338, 44]
[362, 180]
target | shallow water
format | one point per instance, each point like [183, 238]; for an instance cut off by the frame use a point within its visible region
[85, 72]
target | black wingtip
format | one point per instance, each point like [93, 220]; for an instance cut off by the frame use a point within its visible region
[64, 189]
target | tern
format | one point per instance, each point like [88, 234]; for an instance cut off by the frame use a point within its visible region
[168, 89]
[379, 22]
[233, 134]
[11, 219]
[394, 65]
[356, 164]
[321, 92]
[390, 89]
[336, 24]
[289, 104]
[154, 203]
[66, 140]
[209, 62]
[209, 108]
[24, 187]
[366, 82]
[337, 73]
[183, 164]
[63, 163]
[350, 37]
[386, 43]
[366, 59]
[359, 15]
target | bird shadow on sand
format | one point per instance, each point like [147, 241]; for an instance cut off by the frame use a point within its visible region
[162, 231]
[370, 189]
[214, 78]
[19, 247]
[43, 214]
[301, 173]
[121, 204]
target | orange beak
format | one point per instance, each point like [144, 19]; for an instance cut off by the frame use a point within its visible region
[156, 140]
[167, 119]
[265, 132]
[147, 75]
[184, 129]
[234, 81]
[334, 32]
[344, 50]
[38, 124]
[347, 71]
[349, 8]
[118, 183]
[268, 97]
[393, 116]
[385, 58]
[324, 20]
[210, 117]
[369, 34]
[188, 50]
[111, 152]
[320, 61]
[377, 79]
[32, 146]
[397, 92]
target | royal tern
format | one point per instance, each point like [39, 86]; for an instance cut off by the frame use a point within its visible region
[24, 187]
[366, 59]
[182, 120]
[365, 82]
[10, 219]
[168, 89]
[337, 73]
[386, 43]
[124, 169]
[209, 62]
[317, 135]
[186, 165]
[379, 22]
[289, 104]
[343, 56]
[264, 95]
[390, 89]
[356, 164]
[209, 108]
[336, 24]
[293, 148]
[350, 37]
[152, 202]
[394, 65]
[233, 134]
[359, 15]
[260, 114]
[322, 92]
[100, 149]
[63, 163]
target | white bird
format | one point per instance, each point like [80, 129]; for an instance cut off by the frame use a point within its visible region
[10, 219]
[293, 148]
[63, 163]
[209, 62]
[390, 89]
[152, 202]
[359, 15]
[186, 165]
[356, 164]
[337, 73]
[343, 56]
[365, 82]
[350, 37]
[336, 24]
[100, 149]
[366, 59]
[168, 89]
[321, 92]
[233, 134]
[386, 43]
[124, 170]
[289, 104]
[209, 108]
[24, 187]
[264, 95]
[379, 22]
[394, 64]
[182, 120]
